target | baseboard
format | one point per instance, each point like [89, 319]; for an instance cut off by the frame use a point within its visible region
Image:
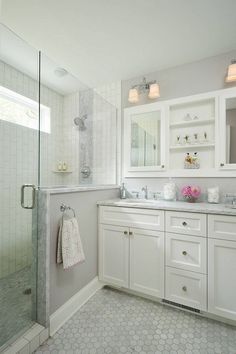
[60, 316]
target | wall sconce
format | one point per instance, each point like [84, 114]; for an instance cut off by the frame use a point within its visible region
[151, 86]
[231, 75]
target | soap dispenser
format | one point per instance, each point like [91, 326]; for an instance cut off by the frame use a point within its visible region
[122, 191]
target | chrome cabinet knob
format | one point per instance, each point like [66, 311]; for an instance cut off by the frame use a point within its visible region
[184, 253]
[222, 164]
[184, 223]
[126, 232]
[184, 288]
[130, 233]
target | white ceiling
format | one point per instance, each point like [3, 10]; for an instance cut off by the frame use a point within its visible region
[102, 41]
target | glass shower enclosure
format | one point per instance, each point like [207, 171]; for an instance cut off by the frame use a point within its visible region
[19, 171]
[54, 132]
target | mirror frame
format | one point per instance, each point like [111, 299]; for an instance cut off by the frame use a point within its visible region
[223, 165]
[128, 113]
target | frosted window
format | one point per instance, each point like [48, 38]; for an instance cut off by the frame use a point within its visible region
[18, 109]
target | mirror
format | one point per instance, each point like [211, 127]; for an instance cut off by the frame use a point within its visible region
[231, 130]
[145, 139]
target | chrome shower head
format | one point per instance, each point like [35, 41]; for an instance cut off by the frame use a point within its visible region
[79, 121]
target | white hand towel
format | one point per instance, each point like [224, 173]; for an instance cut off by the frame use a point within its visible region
[69, 246]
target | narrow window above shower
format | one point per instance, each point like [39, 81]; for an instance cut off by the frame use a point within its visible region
[21, 110]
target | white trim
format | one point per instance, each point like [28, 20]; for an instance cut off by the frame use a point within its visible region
[228, 170]
[64, 313]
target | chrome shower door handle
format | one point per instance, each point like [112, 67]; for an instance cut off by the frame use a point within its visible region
[32, 186]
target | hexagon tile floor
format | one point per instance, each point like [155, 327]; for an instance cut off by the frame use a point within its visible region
[114, 322]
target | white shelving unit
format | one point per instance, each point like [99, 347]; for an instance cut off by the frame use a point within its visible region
[193, 122]
[200, 126]
[62, 171]
[192, 146]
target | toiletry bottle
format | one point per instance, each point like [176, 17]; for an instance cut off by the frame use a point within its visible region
[64, 166]
[59, 166]
[196, 160]
[122, 191]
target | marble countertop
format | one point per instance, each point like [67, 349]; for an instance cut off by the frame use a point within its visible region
[201, 207]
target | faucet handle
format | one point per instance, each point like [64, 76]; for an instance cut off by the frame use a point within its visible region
[156, 195]
[135, 194]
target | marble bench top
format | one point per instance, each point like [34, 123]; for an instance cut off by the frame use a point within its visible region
[201, 207]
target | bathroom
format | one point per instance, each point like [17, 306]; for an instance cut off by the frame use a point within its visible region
[139, 153]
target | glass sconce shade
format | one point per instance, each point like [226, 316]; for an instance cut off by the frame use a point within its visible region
[231, 76]
[154, 91]
[133, 95]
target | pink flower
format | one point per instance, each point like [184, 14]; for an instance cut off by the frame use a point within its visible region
[196, 191]
[191, 191]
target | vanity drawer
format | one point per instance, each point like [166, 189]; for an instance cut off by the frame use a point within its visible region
[132, 217]
[186, 252]
[222, 227]
[186, 288]
[186, 223]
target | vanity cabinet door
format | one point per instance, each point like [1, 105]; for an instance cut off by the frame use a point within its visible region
[114, 255]
[147, 262]
[221, 278]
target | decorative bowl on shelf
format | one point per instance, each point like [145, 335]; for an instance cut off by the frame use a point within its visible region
[191, 193]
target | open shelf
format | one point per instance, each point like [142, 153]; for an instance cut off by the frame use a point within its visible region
[62, 171]
[193, 146]
[193, 122]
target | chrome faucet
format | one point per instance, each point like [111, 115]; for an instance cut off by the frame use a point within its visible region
[145, 189]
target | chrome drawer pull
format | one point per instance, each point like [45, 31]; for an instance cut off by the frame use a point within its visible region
[184, 288]
[184, 223]
[184, 253]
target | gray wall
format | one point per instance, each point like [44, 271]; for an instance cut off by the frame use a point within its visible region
[185, 80]
[64, 284]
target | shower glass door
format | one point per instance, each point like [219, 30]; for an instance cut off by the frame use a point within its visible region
[19, 142]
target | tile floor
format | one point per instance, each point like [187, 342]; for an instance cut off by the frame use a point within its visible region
[15, 307]
[114, 322]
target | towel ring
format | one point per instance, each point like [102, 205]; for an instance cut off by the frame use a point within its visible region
[65, 207]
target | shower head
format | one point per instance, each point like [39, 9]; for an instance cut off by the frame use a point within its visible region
[79, 121]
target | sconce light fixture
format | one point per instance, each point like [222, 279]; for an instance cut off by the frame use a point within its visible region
[231, 75]
[151, 86]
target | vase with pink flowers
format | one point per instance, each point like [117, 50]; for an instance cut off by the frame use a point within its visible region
[191, 193]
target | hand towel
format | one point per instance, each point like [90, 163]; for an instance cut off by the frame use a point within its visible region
[69, 245]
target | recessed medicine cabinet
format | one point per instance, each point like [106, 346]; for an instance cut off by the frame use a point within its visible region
[192, 136]
[144, 138]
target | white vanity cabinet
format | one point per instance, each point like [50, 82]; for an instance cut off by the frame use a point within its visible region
[222, 266]
[132, 255]
[187, 258]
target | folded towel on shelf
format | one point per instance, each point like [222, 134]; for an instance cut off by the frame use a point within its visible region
[69, 245]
